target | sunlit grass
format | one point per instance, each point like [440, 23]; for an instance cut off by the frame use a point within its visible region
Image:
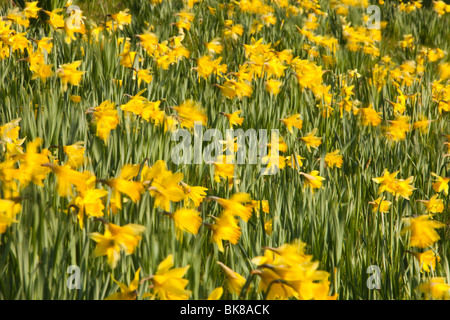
[336, 222]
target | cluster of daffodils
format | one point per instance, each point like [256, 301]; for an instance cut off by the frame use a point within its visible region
[422, 229]
[288, 272]
[401, 95]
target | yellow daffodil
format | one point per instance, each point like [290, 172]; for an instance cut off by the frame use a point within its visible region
[381, 205]
[311, 140]
[434, 205]
[168, 282]
[115, 239]
[187, 220]
[423, 233]
[333, 159]
[69, 74]
[441, 183]
[436, 288]
[235, 280]
[233, 118]
[126, 292]
[293, 121]
[426, 260]
[313, 180]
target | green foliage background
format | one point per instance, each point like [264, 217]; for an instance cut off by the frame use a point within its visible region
[337, 222]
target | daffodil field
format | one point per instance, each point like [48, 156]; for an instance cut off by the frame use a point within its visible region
[353, 203]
